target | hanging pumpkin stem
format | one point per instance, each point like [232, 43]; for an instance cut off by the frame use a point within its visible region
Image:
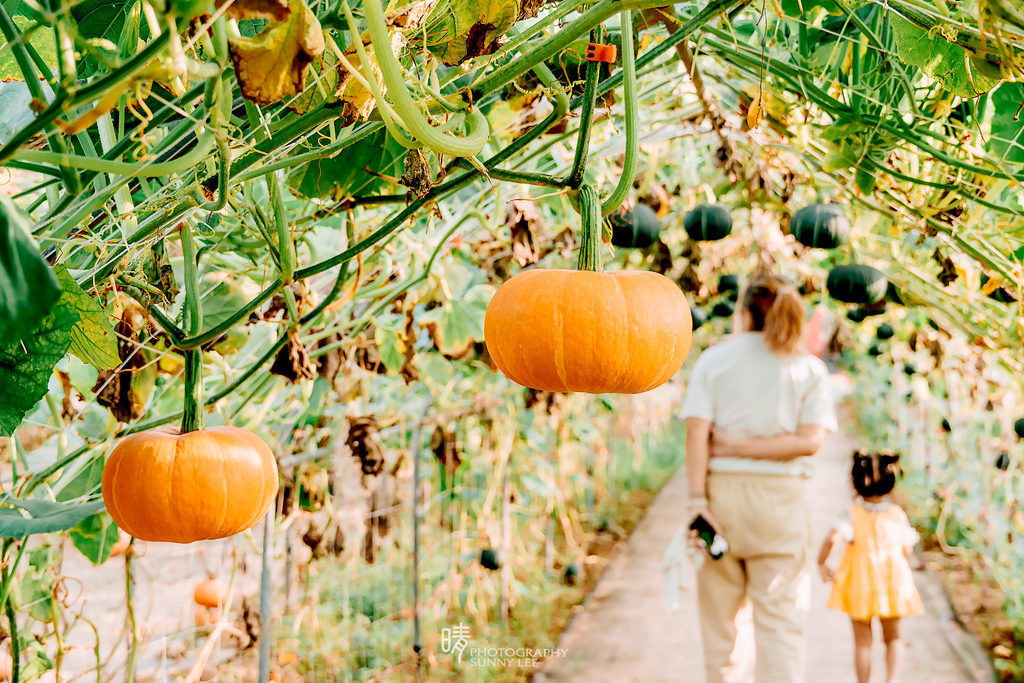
[590, 230]
[193, 421]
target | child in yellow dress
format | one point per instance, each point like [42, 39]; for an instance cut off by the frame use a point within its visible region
[873, 578]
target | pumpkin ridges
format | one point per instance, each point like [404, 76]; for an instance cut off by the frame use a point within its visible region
[559, 324]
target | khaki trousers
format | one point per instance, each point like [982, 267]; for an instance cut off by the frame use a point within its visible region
[765, 575]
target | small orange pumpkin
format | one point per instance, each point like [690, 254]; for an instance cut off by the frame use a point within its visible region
[180, 488]
[211, 593]
[623, 332]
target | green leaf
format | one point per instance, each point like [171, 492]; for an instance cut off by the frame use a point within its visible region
[458, 323]
[346, 174]
[224, 301]
[800, 8]
[95, 537]
[38, 36]
[391, 348]
[82, 483]
[33, 594]
[28, 286]
[26, 365]
[92, 338]
[947, 63]
[42, 516]
[101, 22]
[1007, 138]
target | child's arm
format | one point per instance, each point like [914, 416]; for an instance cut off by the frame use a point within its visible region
[826, 549]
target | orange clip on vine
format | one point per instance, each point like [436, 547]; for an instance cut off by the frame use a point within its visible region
[596, 52]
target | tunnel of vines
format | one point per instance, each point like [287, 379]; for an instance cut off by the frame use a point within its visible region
[281, 397]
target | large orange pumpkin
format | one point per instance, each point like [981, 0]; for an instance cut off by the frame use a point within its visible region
[621, 332]
[179, 488]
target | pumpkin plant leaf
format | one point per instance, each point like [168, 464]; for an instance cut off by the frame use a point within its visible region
[947, 63]
[1007, 136]
[100, 23]
[42, 516]
[95, 536]
[458, 30]
[273, 64]
[28, 286]
[353, 173]
[39, 39]
[26, 365]
[457, 324]
[92, 338]
[391, 348]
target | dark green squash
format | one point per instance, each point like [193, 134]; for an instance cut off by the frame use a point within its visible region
[909, 370]
[723, 309]
[885, 331]
[857, 315]
[698, 315]
[728, 283]
[822, 226]
[875, 350]
[708, 222]
[1018, 427]
[856, 283]
[637, 228]
[946, 427]
[491, 559]
[1003, 461]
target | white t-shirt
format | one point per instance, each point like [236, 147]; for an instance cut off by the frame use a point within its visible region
[744, 389]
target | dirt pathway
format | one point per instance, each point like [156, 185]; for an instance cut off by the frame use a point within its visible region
[625, 634]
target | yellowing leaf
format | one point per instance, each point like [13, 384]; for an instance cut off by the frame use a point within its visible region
[458, 30]
[271, 10]
[273, 64]
[992, 285]
[755, 112]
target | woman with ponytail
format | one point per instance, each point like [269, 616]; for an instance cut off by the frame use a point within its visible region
[757, 407]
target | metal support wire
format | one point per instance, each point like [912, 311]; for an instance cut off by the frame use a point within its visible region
[417, 640]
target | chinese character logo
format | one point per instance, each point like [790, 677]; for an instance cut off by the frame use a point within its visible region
[454, 640]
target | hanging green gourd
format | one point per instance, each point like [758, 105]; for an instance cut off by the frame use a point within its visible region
[822, 226]
[885, 331]
[637, 228]
[875, 350]
[856, 283]
[1003, 461]
[698, 315]
[857, 315]
[491, 558]
[708, 222]
[723, 309]
[946, 427]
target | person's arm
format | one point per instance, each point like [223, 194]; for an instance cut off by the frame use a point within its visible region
[698, 433]
[806, 440]
[823, 555]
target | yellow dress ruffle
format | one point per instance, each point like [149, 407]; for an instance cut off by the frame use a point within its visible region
[874, 578]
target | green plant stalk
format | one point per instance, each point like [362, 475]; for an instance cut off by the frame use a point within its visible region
[12, 623]
[579, 163]
[142, 169]
[66, 100]
[326, 153]
[590, 230]
[632, 116]
[285, 245]
[129, 589]
[405, 107]
[193, 418]
[530, 178]
[193, 316]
